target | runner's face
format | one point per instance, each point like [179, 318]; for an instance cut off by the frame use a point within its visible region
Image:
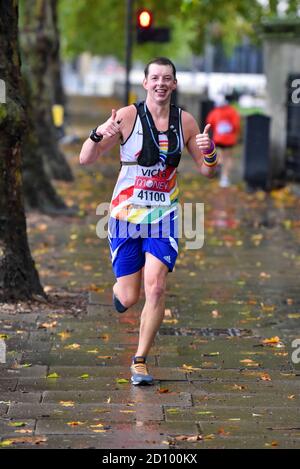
[160, 83]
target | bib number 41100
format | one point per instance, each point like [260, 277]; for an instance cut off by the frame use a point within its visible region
[146, 197]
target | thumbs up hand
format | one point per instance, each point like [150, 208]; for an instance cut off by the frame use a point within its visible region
[203, 140]
[111, 127]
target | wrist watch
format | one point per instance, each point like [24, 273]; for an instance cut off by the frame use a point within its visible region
[96, 137]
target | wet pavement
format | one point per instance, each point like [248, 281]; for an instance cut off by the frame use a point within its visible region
[222, 361]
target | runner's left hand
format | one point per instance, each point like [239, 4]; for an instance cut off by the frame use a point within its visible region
[203, 140]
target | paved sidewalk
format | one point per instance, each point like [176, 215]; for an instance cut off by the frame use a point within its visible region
[217, 384]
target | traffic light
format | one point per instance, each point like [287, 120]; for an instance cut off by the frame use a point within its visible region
[146, 32]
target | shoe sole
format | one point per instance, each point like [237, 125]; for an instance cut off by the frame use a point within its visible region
[142, 383]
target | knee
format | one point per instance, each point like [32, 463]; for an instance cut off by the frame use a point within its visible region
[129, 297]
[155, 288]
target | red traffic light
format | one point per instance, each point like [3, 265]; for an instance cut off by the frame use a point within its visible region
[144, 18]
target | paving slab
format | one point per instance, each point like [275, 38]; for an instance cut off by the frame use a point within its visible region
[109, 412]
[133, 395]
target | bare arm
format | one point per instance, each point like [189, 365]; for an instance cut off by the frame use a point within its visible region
[196, 143]
[112, 131]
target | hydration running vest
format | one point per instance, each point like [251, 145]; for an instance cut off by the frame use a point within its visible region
[150, 153]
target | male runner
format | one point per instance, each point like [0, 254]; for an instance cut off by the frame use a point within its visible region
[151, 136]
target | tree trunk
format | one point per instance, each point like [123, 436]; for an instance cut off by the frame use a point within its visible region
[18, 276]
[59, 96]
[39, 193]
[38, 41]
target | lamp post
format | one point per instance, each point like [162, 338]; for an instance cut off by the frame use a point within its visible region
[128, 51]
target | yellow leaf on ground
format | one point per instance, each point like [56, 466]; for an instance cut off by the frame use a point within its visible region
[170, 321]
[272, 340]
[72, 347]
[75, 424]
[64, 335]
[53, 375]
[17, 424]
[190, 368]
[67, 403]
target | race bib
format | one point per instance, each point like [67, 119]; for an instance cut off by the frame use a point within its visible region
[151, 187]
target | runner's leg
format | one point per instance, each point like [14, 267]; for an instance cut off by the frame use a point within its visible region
[127, 288]
[155, 279]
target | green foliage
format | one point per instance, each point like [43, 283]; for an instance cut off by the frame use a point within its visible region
[98, 26]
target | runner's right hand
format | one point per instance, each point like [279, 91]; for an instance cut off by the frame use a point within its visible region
[111, 127]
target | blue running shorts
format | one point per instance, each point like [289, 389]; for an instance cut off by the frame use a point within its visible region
[128, 247]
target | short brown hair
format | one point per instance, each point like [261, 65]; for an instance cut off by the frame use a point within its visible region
[160, 61]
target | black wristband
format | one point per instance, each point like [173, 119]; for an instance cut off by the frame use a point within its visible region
[96, 137]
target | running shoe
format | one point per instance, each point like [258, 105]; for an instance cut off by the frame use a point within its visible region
[139, 371]
[118, 305]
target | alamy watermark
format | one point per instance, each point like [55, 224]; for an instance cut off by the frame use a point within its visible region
[186, 221]
[2, 351]
[2, 92]
[296, 93]
[296, 353]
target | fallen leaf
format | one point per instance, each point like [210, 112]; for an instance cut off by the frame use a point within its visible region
[64, 335]
[163, 390]
[122, 381]
[189, 438]
[24, 439]
[264, 275]
[249, 362]
[5, 443]
[272, 340]
[168, 313]
[67, 403]
[53, 375]
[204, 412]
[24, 431]
[267, 308]
[190, 368]
[85, 376]
[173, 411]
[47, 325]
[17, 424]
[273, 443]
[265, 377]
[222, 432]
[75, 424]
[239, 387]
[72, 347]
[215, 314]
[170, 321]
